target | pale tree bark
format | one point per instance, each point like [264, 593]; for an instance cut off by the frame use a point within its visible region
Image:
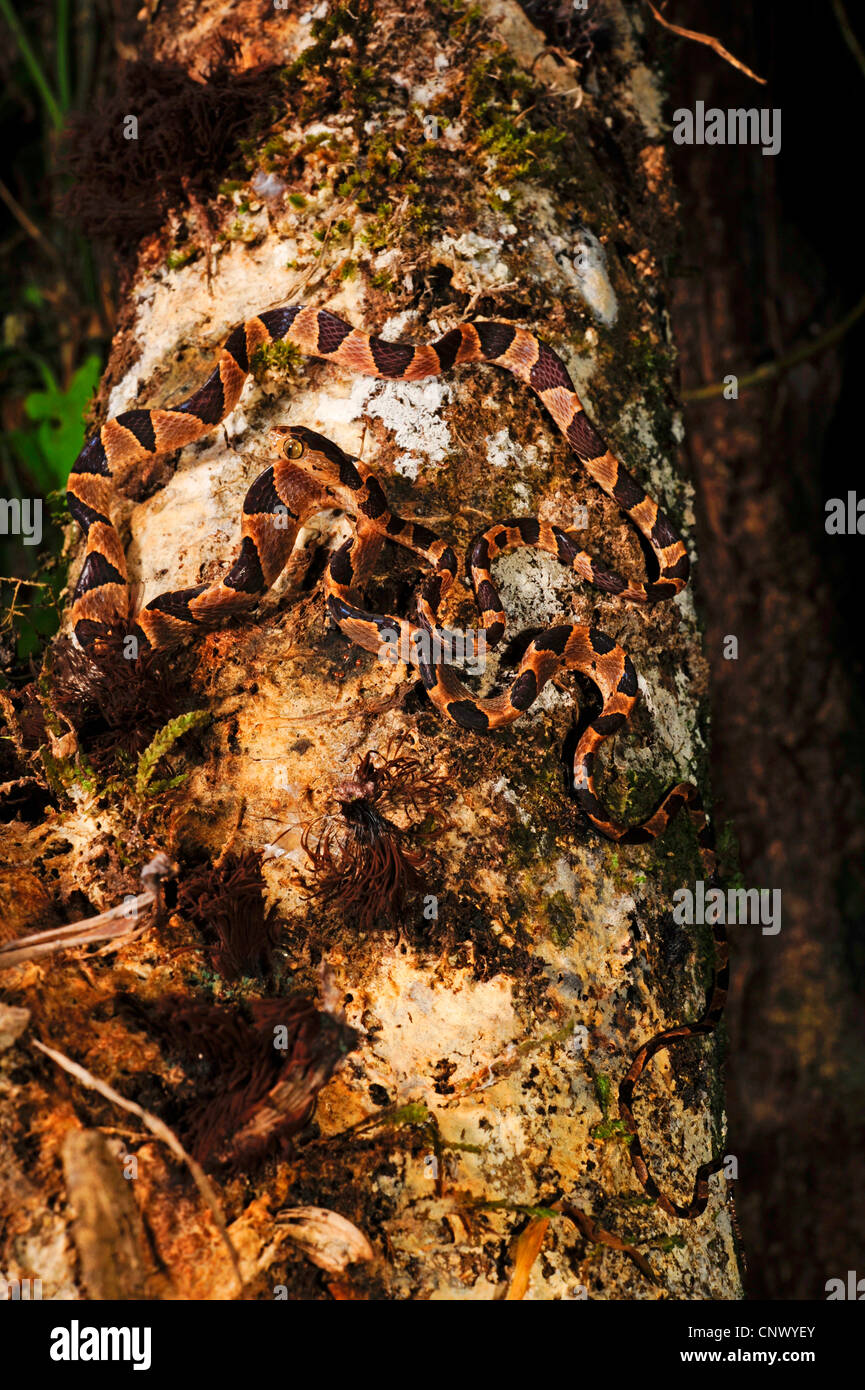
[410, 182]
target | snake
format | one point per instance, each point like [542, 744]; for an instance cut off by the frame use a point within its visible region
[101, 594]
[311, 474]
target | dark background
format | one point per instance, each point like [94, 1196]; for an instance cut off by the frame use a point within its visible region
[770, 259]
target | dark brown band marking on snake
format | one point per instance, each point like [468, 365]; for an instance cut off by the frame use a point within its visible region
[312, 475]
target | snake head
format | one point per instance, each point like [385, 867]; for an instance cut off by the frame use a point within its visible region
[316, 454]
[287, 441]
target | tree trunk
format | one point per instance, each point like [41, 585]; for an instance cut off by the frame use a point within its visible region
[411, 179]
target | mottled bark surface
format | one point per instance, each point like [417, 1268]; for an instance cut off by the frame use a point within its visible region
[541, 927]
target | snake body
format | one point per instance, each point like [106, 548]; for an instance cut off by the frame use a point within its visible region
[101, 594]
[311, 474]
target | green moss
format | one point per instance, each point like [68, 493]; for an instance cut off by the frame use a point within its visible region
[523, 848]
[323, 68]
[521, 1208]
[560, 915]
[520, 152]
[675, 855]
[120, 850]
[45, 689]
[607, 1129]
[325, 33]
[379, 231]
[603, 1091]
[667, 1243]
[463, 1148]
[499, 96]
[63, 774]
[381, 170]
[648, 358]
[634, 796]
[612, 1129]
[282, 356]
[462, 17]
[239, 230]
[414, 1113]
[276, 151]
[176, 259]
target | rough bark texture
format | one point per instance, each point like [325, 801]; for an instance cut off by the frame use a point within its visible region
[541, 926]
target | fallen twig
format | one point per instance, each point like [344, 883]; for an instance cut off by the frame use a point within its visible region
[769, 370]
[847, 32]
[589, 1228]
[527, 1251]
[156, 1126]
[116, 921]
[714, 44]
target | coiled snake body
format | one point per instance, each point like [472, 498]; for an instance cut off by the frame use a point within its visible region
[312, 474]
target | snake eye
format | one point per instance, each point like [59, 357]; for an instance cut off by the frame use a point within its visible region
[294, 448]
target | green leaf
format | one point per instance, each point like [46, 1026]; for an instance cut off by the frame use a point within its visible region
[163, 740]
[62, 415]
[48, 451]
